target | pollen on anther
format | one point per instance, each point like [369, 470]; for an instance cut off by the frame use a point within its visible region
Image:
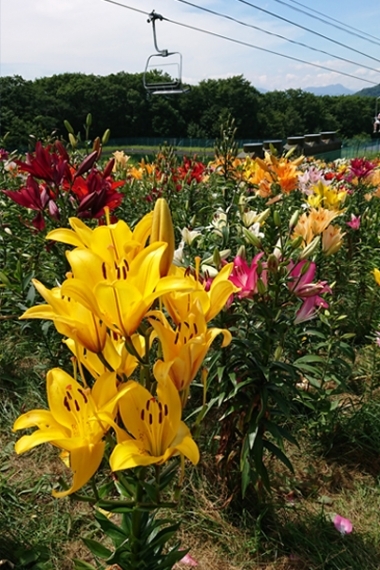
[66, 404]
[77, 407]
[150, 419]
[166, 409]
[83, 395]
[142, 415]
[104, 270]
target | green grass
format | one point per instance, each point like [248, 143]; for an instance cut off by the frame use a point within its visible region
[335, 472]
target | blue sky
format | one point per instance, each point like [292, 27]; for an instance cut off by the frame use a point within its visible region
[41, 38]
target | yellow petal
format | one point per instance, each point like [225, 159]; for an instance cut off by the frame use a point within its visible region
[129, 454]
[84, 463]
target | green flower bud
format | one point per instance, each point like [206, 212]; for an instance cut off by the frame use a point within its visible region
[311, 248]
[276, 218]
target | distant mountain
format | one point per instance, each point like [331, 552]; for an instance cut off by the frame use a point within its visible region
[370, 91]
[336, 89]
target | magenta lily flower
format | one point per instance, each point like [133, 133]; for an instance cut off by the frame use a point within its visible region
[309, 309]
[354, 224]
[300, 280]
[246, 276]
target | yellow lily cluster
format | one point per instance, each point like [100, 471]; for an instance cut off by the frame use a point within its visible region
[121, 295]
[326, 196]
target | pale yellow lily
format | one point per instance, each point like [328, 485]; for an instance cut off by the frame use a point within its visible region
[156, 426]
[76, 422]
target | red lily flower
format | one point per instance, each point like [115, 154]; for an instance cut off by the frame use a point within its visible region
[36, 197]
[48, 164]
[95, 192]
[360, 167]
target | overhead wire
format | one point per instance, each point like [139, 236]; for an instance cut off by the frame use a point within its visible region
[307, 29]
[295, 42]
[246, 44]
[353, 31]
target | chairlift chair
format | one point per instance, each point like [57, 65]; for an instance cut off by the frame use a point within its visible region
[165, 87]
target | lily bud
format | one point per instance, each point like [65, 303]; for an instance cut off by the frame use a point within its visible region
[216, 258]
[296, 242]
[263, 216]
[261, 286]
[294, 219]
[162, 230]
[311, 248]
[241, 252]
[276, 219]
[96, 146]
[251, 238]
[68, 126]
[272, 263]
[73, 140]
[106, 136]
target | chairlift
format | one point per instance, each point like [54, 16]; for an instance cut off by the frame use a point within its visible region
[376, 124]
[172, 86]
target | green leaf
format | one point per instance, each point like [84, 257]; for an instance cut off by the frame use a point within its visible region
[112, 530]
[4, 279]
[278, 453]
[97, 549]
[81, 565]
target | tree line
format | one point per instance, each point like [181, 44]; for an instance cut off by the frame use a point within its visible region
[119, 102]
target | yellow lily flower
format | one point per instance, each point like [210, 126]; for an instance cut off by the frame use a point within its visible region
[70, 318]
[76, 422]
[376, 274]
[120, 295]
[184, 348]
[156, 426]
[114, 352]
[112, 242]
[326, 196]
[179, 304]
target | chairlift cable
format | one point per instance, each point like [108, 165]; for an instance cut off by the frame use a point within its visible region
[307, 29]
[353, 31]
[231, 18]
[246, 44]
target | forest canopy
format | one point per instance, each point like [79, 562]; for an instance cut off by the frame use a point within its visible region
[119, 102]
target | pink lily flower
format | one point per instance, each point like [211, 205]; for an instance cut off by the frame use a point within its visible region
[309, 309]
[344, 526]
[354, 223]
[300, 281]
[246, 276]
[189, 560]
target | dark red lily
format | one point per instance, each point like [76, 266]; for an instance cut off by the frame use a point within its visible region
[49, 164]
[95, 192]
[36, 197]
